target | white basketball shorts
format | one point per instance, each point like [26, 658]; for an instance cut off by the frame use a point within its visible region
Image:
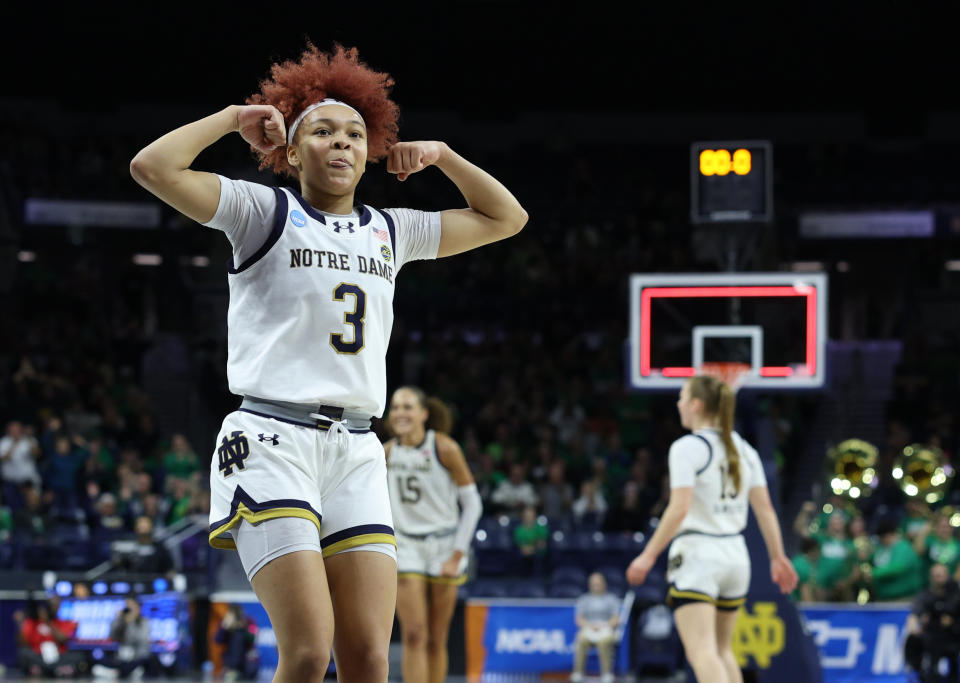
[423, 556]
[711, 569]
[264, 468]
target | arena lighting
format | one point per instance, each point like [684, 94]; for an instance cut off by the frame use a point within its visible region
[26, 256]
[99, 588]
[147, 259]
[159, 585]
[63, 588]
[953, 265]
[120, 587]
[200, 261]
[649, 293]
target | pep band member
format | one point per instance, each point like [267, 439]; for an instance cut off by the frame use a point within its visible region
[714, 473]
[430, 482]
[298, 480]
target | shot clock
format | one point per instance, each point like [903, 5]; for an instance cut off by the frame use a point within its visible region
[731, 181]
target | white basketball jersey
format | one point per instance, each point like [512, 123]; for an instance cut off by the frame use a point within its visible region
[423, 495]
[700, 460]
[311, 311]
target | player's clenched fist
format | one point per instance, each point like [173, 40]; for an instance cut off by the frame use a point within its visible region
[262, 126]
[405, 158]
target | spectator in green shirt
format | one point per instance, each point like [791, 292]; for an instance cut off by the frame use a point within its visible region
[811, 521]
[6, 521]
[806, 565]
[916, 521]
[938, 547]
[837, 559]
[530, 537]
[896, 572]
[180, 461]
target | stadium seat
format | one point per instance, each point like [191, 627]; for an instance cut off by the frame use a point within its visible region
[649, 595]
[612, 573]
[566, 590]
[590, 521]
[526, 589]
[562, 523]
[496, 561]
[569, 574]
[487, 523]
[488, 588]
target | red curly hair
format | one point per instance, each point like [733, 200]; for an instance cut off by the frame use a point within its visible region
[294, 86]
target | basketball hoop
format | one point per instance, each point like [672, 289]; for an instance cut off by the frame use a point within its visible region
[733, 375]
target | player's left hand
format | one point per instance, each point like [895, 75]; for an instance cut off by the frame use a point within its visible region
[783, 574]
[639, 568]
[405, 158]
[451, 568]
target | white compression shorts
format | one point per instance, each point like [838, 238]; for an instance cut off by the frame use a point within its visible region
[258, 544]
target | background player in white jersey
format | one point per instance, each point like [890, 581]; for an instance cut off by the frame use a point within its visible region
[428, 477]
[714, 474]
[298, 481]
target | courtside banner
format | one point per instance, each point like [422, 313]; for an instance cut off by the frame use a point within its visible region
[518, 636]
[859, 642]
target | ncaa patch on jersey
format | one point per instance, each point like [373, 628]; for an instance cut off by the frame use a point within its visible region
[385, 253]
[298, 219]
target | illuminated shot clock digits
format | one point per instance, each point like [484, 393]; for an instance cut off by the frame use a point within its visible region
[731, 181]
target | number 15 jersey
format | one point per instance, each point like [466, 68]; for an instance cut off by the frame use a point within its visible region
[700, 460]
[423, 495]
[311, 295]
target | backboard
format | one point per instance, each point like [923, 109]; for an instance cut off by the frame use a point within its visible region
[775, 322]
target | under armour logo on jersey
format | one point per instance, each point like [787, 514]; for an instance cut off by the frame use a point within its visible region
[275, 439]
[337, 227]
[232, 452]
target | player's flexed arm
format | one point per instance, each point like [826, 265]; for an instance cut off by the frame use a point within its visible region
[163, 166]
[494, 213]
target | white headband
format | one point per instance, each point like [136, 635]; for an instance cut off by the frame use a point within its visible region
[322, 103]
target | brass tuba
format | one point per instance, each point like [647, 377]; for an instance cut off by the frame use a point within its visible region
[853, 468]
[922, 472]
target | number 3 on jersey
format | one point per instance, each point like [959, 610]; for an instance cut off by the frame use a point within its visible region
[354, 319]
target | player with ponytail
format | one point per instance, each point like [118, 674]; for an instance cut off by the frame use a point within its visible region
[436, 507]
[714, 475]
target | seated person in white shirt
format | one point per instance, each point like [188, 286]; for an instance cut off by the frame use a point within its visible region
[597, 616]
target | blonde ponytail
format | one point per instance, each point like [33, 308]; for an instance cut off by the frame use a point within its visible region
[719, 401]
[726, 410]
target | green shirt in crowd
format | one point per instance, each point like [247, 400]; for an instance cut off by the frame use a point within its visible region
[938, 551]
[525, 536]
[180, 465]
[911, 525]
[897, 571]
[837, 557]
[6, 523]
[805, 574]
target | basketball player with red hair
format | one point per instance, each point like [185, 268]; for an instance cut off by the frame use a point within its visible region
[298, 479]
